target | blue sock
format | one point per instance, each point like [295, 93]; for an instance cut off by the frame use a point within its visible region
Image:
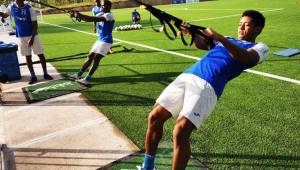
[88, 78]
[33, 75]
[148, 162]
[80, 72]
[45, 71]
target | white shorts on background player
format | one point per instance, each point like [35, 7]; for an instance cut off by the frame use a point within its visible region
[189, 96]
[26, 50]
[100, 47]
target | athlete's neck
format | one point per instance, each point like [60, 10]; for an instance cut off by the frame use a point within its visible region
[20, 4]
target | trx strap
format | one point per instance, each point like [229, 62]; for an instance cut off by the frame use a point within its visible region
[165, 18]
[60, 9]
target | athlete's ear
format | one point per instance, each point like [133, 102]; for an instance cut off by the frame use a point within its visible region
[257, 30]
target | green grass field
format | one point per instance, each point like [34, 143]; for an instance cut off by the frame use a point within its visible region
[255, 124]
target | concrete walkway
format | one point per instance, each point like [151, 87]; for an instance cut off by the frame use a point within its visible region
[60, 133]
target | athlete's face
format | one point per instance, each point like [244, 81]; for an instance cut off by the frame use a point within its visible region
[247, 29]
[20, 2]
[106, 8]
[98, 2]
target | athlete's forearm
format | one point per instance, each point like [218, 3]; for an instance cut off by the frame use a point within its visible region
[245, 57]
[242, 55]
[90, 18]
[4, 15]
[34, 28]
[200, 42]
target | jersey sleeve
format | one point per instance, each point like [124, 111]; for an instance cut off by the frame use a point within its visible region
[262, 50]
[109, 17]
[32, 14]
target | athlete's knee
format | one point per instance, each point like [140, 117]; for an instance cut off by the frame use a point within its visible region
[98, 57]
[90, 57]
[158, 116]
[182, 130]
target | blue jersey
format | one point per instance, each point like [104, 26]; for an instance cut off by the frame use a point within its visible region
[97, 10]
[217, 67]
[105, 28]
[22, 19]
[135, 14]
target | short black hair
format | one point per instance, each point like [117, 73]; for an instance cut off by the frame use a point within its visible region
[257, 17]
[108, 3]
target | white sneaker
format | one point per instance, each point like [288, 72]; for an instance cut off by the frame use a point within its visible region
[75, 76]
[83, 81]
[141, 168]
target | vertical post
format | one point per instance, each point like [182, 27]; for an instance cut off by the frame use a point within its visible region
[41, 13]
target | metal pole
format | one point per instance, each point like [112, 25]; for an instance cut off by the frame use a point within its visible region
[41, 13]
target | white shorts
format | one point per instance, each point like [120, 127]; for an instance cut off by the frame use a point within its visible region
[26, 50]
[189, 96]
[100, 47]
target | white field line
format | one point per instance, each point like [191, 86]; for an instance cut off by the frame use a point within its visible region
[188, 56]
[209, 9]
[60, 132]
[234, 15]
[227, 16]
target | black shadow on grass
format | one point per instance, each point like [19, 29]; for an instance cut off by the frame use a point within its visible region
[109, 98]
[77, 56]
[68, 43]
[63, 58]
[106, 98]
[266, 161]
[164, 78]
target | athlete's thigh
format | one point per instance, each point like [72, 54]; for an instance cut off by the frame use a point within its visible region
[25, 50]
[37, 46]
[100, 47]
[173, 96]
[199, 100]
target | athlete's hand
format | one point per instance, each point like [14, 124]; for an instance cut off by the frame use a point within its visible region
[212, 34]
[30, 43]
[72, 13]
[184, 31]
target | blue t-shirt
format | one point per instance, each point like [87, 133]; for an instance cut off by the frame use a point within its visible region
[217, 67]
[135, 14]
[97, 10]
[22, 19]
[105, 28]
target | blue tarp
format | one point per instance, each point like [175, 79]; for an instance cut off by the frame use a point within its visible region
[287, 52]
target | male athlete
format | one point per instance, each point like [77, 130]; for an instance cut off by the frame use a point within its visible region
[97, 10]
[192, 96]
[26, 31]
[105, 22]
[135, 16]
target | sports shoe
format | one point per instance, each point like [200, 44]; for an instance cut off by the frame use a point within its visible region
[83, 81]
[75, 76]
[141, 168]
[48, 77]
[33, 80]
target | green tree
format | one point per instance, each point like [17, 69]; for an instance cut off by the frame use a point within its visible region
[5, 2]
